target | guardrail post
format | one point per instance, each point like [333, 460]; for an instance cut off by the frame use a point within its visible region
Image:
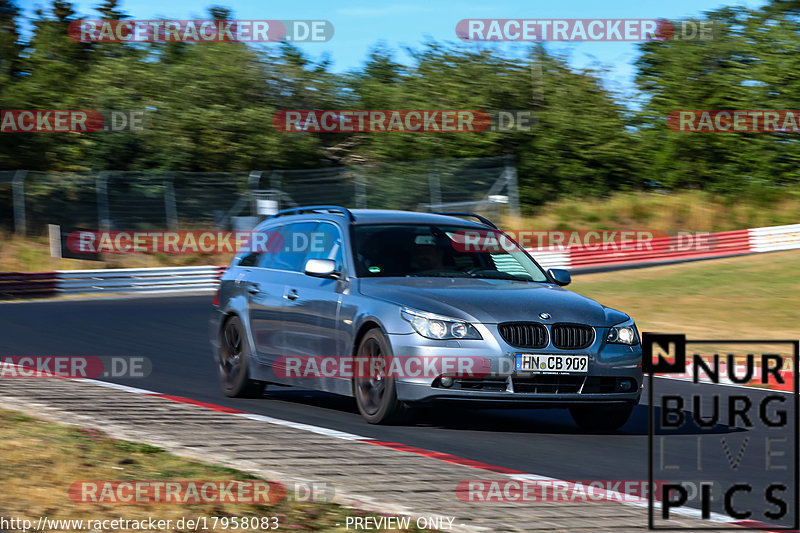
[18, 186]
[170, 206]
[103, 216]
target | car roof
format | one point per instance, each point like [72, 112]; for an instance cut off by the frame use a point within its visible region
[379, 216]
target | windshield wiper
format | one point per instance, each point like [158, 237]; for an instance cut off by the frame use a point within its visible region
[496, 274]
[454, 274]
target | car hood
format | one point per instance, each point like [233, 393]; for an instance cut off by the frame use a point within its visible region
[491, 301]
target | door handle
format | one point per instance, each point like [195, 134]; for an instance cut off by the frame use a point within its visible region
[253, 289]
[292, 295]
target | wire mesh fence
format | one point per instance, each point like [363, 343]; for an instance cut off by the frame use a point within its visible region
[116, 200]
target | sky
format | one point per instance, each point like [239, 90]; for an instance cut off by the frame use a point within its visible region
[360, 25]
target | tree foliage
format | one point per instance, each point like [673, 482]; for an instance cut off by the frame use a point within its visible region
[210, 106]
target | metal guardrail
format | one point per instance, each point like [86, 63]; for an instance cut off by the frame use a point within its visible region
[668, 249]
[774, 238]
[131, 280]
[663, 250]
[122, 280]
[26, 284]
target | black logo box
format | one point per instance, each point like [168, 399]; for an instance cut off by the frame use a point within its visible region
[664, 340]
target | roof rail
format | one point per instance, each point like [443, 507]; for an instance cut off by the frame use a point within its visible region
[465, 214]
[313, 209]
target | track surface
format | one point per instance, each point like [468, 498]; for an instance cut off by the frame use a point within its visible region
[173, 333]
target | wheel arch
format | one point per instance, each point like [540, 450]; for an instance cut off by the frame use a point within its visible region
[367, 325]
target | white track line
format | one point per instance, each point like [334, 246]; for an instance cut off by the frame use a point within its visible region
[617, 497]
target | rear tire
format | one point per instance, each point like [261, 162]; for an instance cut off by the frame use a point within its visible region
[601, 417]
[376, 396]
[233, 361]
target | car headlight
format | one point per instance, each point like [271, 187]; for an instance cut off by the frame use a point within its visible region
[439, 327]
[624, 333]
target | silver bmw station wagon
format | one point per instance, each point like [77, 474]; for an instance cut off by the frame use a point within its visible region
[400, 309]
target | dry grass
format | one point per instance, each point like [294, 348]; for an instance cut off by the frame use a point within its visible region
[684, 211]
[739, 298]
[40, 460]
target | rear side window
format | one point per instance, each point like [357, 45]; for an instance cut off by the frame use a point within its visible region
[295, 241]
[266, 257]
[261, 245]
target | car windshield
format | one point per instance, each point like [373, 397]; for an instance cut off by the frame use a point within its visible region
[425, 250]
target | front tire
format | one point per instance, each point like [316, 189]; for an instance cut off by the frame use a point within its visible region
[601, 417]
[376, 395]
[233, 360]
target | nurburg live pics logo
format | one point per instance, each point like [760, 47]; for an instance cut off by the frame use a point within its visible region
[754, 403]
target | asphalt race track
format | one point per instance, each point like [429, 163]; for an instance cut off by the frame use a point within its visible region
[173, 333]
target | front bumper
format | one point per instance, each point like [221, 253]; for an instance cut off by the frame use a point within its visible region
[610, 365]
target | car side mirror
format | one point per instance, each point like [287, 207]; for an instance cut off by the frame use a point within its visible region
[322, 268]
[560, 276]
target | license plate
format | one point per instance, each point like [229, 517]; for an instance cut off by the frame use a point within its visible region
[552, 363]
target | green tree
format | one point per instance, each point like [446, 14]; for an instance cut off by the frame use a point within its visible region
[751, 63]
[10, 46]
[50, 73]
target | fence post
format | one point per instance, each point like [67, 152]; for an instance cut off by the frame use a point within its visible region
[361, 190]
[54, 234]
[18, 186]
[435, 188]
[170, 207]
[103, 216]
[253, 180]
[276, 184]
[513, 191]
[275, 180]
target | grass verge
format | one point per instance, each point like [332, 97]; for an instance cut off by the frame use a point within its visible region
[748, 297]
[41, 460]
